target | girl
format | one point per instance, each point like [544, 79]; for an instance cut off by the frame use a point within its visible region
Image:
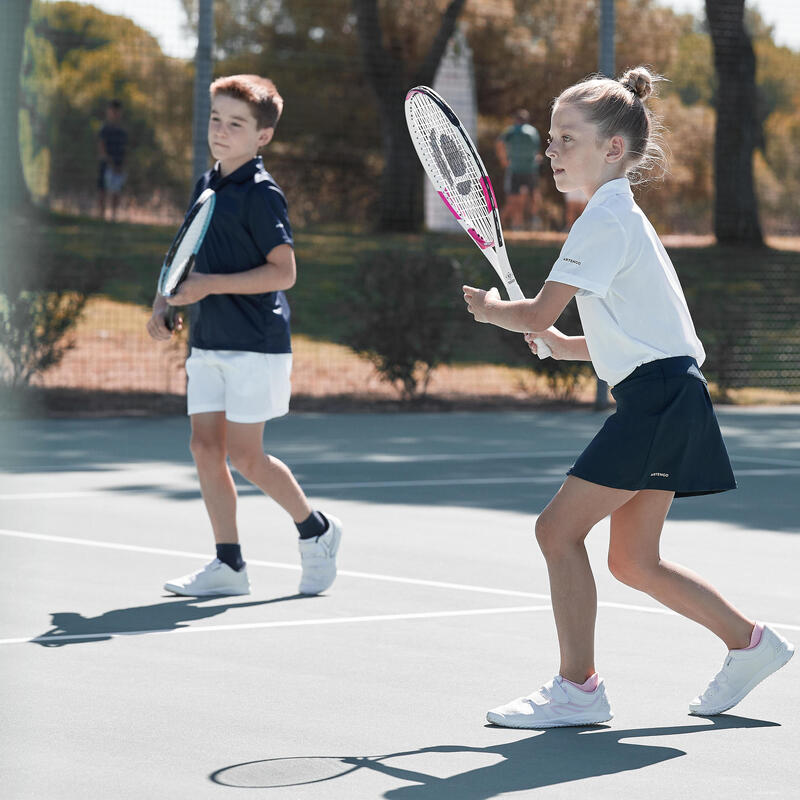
[662, 442]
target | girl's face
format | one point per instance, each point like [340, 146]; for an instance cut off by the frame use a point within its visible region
[233, 134]
[580, 159]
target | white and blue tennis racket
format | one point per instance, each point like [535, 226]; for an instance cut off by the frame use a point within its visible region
[460, 179]
[180, 257]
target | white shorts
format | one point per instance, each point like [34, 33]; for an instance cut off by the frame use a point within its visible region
[248, 387]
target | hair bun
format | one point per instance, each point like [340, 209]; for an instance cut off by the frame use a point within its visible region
[639, 81]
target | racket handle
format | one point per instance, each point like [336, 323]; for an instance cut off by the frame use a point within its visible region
[169, 318]
[542, 350]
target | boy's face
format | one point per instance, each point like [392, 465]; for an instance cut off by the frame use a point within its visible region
[233, 134]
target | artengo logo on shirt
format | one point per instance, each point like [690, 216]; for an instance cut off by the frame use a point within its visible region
[571, 260]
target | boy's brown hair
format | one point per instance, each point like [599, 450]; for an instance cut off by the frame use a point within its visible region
[259, 93]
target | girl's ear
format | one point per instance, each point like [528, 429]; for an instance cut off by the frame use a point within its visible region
[616, 149]
[265, 136]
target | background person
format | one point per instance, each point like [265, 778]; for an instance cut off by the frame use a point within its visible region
[518, 149]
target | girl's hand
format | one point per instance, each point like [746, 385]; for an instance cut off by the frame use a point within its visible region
[193, 289]
[553, 339]
[480, 303]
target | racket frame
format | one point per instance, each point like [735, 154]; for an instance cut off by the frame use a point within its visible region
[208, 199]
[494, 251]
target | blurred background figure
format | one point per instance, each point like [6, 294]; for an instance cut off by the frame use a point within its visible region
[518, 149]
[112, 143]
[574, 203]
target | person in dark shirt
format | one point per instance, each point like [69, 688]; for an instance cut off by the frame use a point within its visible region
[112, 144]
[240, 362]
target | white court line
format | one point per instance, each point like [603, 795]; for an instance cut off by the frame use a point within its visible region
[464, 587]
[57, 637]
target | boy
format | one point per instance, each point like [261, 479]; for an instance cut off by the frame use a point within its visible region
[240, 361]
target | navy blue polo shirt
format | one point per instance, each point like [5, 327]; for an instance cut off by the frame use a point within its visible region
[250, 219]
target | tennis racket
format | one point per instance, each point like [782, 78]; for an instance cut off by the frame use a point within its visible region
[460, 179]
[180, 257]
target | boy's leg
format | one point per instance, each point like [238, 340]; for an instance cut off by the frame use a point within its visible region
[209, 450]
[560, 530]
[634, 559]
[270, 474]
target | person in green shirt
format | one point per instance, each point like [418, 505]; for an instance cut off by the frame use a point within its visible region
[518, 149]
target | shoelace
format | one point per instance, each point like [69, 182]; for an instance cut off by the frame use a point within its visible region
[716, 684]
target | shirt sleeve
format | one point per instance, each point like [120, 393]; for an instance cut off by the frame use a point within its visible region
[268, 217]
[593, 253]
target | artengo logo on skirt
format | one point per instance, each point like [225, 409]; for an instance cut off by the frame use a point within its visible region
[659, 474]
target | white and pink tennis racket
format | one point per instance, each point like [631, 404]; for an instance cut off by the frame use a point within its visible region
[460, 179]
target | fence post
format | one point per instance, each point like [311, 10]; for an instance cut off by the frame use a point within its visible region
[605, 66]
[203, 65]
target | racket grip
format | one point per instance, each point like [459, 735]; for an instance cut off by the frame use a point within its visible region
[169, 318]
[542, 350]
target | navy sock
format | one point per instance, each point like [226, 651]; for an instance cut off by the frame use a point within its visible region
[314, 525]
[230, 554]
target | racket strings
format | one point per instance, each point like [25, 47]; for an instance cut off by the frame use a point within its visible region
[183, 249]
[450, 163]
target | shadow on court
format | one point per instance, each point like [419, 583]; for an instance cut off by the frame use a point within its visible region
[505, 461]
[70, 627]
[554, 756]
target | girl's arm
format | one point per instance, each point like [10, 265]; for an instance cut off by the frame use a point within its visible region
[563, 348]
[277, 274]
[521, 316]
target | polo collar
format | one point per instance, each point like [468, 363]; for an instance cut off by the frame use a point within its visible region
[240, 175]
[609, 189]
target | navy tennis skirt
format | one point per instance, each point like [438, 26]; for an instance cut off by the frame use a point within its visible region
[663, 435]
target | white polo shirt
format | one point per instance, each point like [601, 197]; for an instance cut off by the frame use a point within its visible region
[629, 297]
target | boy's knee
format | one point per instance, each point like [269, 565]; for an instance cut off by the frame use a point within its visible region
[246, 460]
[206, 449]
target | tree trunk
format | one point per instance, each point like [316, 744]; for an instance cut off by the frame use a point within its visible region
[738, 129]
[14, 194]
[400, 207]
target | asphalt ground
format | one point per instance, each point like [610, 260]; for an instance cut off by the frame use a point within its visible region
[112, 688]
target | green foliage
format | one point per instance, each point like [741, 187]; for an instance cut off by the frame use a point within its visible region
[33, 327]
[400, 303]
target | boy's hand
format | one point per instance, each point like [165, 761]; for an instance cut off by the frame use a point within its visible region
[480, 303]
[157, 326]
[193, 289]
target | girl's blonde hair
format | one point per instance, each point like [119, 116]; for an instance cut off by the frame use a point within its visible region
[618, 109]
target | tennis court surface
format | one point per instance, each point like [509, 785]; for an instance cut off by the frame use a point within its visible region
[378, 689]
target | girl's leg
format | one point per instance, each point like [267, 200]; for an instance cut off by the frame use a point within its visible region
[560, 530]
[634, 558]
[208, 446]
[272, 476]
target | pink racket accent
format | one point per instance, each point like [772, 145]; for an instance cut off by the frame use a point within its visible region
[481, 242]
[486, 195]
[447, 203]
[484, 183]
[412, 93]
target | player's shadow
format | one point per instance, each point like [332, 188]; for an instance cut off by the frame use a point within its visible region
[554, 756]
[70, 627]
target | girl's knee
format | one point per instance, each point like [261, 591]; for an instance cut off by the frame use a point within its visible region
[630, 571]
[555, 535]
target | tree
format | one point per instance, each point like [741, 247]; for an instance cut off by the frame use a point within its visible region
[738, 129]
[14, 194]
[390, 76]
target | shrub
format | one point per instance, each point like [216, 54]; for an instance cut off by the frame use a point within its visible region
[403, 321]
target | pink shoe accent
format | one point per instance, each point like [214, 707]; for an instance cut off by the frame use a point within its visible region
[755, 636]
[589, 685]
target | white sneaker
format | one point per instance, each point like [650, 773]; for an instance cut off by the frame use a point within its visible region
[214, 578]
[742, 671]
[318, 557]
[557, 704]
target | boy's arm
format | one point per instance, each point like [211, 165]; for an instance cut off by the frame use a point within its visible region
[276, 274]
